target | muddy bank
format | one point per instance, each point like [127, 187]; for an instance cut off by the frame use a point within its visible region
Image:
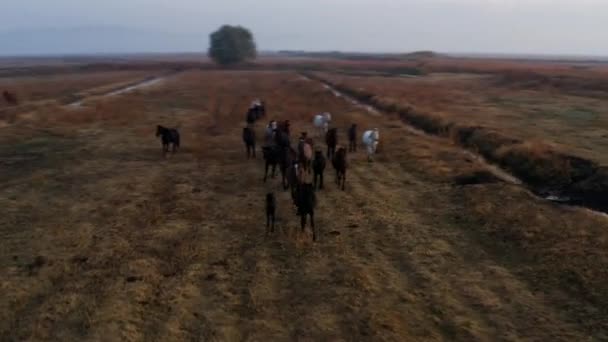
[551, 174]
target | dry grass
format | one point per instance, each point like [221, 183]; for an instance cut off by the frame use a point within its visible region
[575, 124]
[66, 87]
[103, 239]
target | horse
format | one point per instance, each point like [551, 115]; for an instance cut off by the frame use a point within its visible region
[305, 149]
[251, 116]
[281, 156]
[321, 123]
[271, 207]
[340, 165]
[331, 139]
[10, 98]
[281, 137]
[284, 127]
[260, 109]
[168, 136]
[269, 133]
[318, 167]
[271, 159]
[292, 180]
[255, 112]
[306, 204]
[352, 138]
[370, 140]
[249, 140]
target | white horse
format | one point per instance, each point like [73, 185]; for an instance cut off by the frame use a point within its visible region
[370, 141]
[321, 123]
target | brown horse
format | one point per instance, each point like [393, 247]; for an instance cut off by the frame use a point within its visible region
[340, 165]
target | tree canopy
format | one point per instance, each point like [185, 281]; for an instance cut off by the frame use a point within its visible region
[232, 45]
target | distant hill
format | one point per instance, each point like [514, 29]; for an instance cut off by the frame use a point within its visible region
[94, 40]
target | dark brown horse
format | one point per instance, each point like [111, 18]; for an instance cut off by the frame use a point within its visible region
[340, 165]
[10, 98]
[168, 136]
[306, 201]
[249, 140]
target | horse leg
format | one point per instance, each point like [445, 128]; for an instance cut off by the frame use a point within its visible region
[253, 150]
[284, 178]
[303, 221]
[266, 172]
[273, 220]
[274, 170]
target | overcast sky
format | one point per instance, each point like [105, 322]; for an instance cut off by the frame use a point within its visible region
[492, 26]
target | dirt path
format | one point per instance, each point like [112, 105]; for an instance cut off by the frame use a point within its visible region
[138, 248]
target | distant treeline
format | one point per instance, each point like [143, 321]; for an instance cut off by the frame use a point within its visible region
[360, 55]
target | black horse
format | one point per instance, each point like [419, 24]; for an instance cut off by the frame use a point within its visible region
[306, 206]
[168, 136]
[352, 138]
[318, 166]
[249, 140]
[339, 163]
[331, 139]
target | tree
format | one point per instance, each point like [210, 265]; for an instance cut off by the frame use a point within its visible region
[231, 45]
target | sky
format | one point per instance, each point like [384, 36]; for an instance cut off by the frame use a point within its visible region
[564, 27]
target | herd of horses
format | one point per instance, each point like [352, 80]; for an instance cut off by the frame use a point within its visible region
[301, 166]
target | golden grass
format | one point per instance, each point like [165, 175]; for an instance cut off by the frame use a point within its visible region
[103, 239]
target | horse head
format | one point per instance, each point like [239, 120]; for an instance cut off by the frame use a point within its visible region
[159, 130]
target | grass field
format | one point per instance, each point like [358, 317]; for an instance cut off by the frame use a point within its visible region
[64, 88]
[538, 113]
[103, 239]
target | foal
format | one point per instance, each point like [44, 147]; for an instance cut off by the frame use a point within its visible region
[168, 136]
